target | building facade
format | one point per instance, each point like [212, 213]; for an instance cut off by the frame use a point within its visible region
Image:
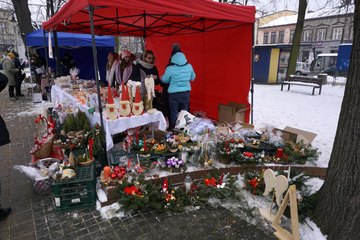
[323, 32]
[10, 34]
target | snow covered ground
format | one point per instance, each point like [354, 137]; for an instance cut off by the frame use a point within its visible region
[299, 109]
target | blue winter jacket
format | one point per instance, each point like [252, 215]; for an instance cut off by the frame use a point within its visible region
[178, 75]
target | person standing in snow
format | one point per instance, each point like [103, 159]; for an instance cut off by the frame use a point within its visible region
[178, 75]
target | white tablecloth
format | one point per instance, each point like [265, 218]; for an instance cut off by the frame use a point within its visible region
[111, 126]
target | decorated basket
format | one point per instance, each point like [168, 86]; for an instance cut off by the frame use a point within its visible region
[86, 163]
[43, 185]
[45, 150]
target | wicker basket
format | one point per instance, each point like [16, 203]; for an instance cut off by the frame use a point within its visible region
[45, 150]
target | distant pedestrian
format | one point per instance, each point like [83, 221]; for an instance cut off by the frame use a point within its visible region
[9, 70]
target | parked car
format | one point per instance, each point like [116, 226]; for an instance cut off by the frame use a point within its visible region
[302, 68]
[330, 71]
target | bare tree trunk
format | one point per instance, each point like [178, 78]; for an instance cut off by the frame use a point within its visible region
[337, 211]
[297, 38]
[23, 16]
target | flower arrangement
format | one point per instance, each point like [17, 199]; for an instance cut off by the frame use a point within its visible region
[300, 152]
[254, 182]
[174, 164]
[226, 152]
[250, 157]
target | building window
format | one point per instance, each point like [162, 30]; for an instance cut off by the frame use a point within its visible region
[351, 32]
[336, 34]
[273, 37]
[321, 35]
[2, 27]
[292, 32]
[307, 36]
[266, 38]
[281, 37]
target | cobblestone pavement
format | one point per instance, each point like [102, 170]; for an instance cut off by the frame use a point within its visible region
[33, 215]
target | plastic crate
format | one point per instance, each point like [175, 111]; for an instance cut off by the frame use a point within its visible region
[77, 192]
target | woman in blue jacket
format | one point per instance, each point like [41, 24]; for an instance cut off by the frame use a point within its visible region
[178, 75]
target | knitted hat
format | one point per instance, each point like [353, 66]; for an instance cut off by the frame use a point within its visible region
[11, 55]
[137, 95]
[125, 53]
[110, 99]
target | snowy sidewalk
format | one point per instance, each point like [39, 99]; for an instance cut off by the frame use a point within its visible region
[34, 217]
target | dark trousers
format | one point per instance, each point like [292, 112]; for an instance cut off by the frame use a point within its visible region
[11, 91]
[18, 88]
[177, 102]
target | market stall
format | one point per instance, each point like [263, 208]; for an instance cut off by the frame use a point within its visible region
[78, 46]
[111, 127]
[203, 28]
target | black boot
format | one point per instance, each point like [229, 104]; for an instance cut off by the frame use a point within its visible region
[4, 212]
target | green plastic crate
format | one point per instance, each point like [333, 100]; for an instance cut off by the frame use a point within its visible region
[77, 192]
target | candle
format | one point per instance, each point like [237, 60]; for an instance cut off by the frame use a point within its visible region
[91, 142]
[183, 156]
[279, 153]
[145, 148]
[107, 171]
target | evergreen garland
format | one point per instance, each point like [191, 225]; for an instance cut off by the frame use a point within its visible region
[300, 152]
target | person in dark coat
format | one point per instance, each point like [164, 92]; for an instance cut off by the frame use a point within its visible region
[19, 75]
[148, 68]
[4, 139]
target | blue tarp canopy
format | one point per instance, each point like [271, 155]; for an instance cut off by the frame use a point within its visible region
[79, 47]
[36, 39]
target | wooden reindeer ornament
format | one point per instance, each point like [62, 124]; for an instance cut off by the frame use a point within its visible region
[279, 184]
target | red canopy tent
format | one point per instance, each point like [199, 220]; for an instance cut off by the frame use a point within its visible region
[216, 38]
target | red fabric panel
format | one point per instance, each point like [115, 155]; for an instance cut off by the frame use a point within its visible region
[222, 63]
[73, 13]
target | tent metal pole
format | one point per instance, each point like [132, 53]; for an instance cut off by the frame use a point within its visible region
[252, 77]
[46, 54]
[91, 12]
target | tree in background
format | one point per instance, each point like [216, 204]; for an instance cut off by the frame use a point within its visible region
[23, 16]
[337, 209]
[297, 38]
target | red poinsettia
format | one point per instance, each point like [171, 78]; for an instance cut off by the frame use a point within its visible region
[210, 181]
[132, 190]
[248, 154]
[254, 183]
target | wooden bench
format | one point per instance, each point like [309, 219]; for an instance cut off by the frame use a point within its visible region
[303, 81]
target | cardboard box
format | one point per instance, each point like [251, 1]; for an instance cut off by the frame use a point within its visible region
[296, 135]
[232, 112]
[37, 97]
